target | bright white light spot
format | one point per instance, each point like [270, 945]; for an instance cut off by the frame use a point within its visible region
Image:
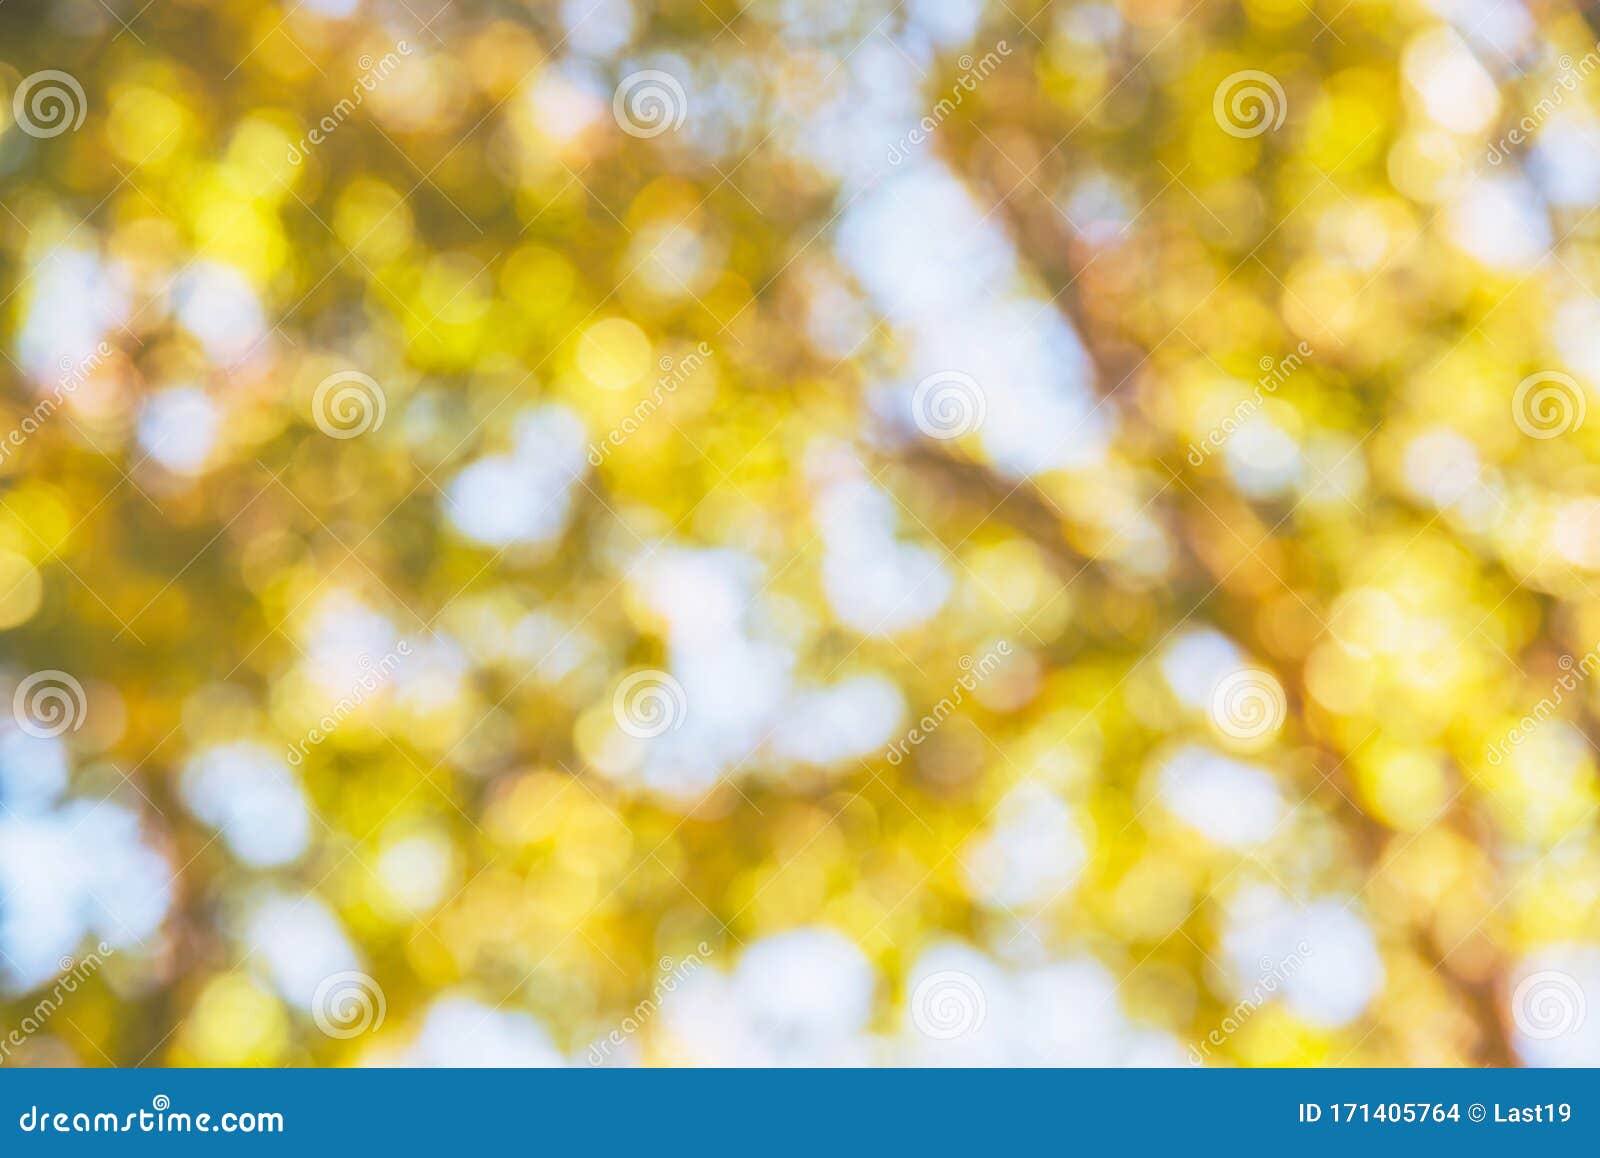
[524, 497]
[417, 870]
[299, 941]
[1499, 220]
[218, 305]
[1456, 90]
[178, 428]
[1338, 970]
[462, 1033]
[248, 793]
[1263, 458]
[801, 998]
[1194, 662]
[1440, 466]
[1232, 803]
[599, 28]
[1032, 853]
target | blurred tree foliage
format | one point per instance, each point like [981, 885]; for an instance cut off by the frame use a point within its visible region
[458, 237]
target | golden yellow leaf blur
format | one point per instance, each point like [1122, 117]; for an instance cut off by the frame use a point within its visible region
[675, 534]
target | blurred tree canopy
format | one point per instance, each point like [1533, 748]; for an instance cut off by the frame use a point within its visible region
[934, 532]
